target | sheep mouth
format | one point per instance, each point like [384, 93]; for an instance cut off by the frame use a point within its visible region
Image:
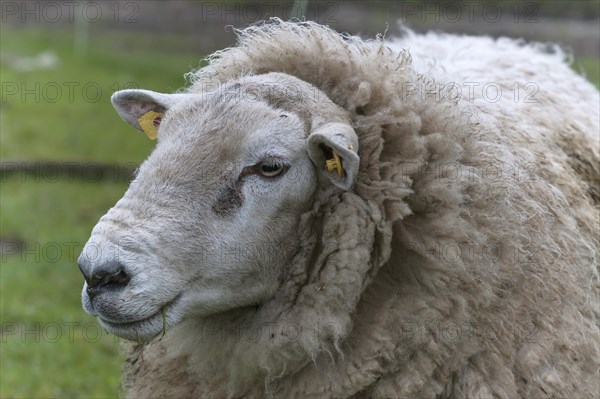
[147, 328]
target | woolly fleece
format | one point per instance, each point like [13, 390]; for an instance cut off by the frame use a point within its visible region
[463, 263]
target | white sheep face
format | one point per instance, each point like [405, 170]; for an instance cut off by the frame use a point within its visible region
[210, 220]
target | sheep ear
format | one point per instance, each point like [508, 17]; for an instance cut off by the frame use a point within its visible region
[333, 148]
[143, 109]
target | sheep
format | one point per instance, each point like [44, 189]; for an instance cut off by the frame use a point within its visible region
[325, 216]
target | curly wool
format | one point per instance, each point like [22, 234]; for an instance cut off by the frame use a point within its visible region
[462, 264]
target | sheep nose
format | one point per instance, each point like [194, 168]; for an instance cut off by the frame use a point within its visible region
[110, 276]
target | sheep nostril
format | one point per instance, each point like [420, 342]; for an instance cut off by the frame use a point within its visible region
[104, 280]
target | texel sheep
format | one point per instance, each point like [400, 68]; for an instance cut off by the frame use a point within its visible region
[325, 216]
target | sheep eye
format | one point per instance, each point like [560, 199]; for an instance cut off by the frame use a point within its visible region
[270, 169]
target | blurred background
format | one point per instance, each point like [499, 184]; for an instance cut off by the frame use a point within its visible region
[66, 157]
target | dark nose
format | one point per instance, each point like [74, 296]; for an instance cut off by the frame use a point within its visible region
[106, 277]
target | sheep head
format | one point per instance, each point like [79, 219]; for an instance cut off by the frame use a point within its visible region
[209, 223]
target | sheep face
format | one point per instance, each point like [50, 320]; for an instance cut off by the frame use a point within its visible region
[210, 220]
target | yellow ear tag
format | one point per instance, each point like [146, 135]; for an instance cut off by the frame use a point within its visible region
[149, 123]
[334, 164]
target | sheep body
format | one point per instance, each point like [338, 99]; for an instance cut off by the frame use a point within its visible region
[464, 261]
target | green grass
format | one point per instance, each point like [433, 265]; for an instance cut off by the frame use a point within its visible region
[590, 68]
[42, 285]
[65, 113]
[49, 347]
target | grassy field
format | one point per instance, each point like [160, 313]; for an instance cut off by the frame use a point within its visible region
[49, 347]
